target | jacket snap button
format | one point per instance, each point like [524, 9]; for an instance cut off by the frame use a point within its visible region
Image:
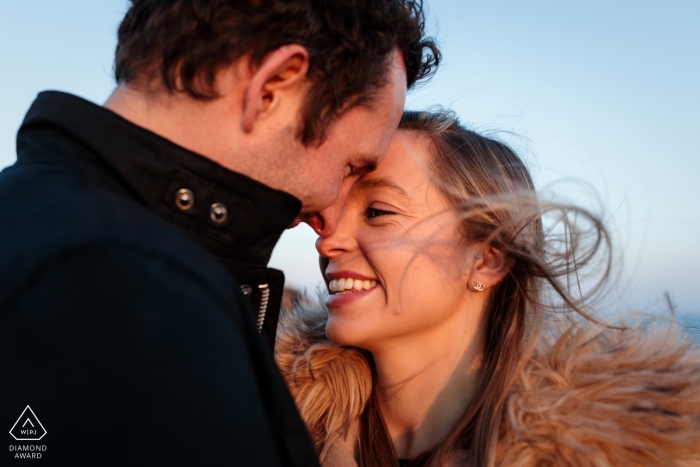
[184, 199]
[246, 289]
[218, 212]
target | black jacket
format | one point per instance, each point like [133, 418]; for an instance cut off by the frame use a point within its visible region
[121, 323]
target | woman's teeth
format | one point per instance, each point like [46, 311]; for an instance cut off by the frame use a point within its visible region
[346, 285]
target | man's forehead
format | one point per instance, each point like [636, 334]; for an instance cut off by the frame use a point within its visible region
[396, 86]
[391, 96]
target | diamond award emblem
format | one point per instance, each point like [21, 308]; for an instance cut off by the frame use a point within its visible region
[27, 427]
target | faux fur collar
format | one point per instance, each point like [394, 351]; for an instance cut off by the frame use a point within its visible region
[591, 397]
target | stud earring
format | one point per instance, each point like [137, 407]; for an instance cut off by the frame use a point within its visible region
[478, 286]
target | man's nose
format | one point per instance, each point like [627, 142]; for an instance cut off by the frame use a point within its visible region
[325, 222]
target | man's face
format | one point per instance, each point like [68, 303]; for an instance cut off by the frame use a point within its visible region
[355, 145]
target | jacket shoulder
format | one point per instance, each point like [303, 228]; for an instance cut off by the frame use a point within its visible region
[54, 212]
[143, 351]
[597, 396]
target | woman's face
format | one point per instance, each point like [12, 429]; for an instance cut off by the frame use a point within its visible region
[396, 266]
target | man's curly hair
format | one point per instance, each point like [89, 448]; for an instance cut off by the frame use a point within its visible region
[186, 42]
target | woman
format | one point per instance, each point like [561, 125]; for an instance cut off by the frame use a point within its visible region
[431, 349]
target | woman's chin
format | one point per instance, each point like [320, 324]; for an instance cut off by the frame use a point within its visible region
[342, 333]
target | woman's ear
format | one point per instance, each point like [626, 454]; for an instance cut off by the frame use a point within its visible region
[283, 70]
[490, 266]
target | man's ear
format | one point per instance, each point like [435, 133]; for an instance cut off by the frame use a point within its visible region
[490, 266]
[280, 70]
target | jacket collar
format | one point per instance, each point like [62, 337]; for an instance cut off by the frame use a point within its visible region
[156, 172]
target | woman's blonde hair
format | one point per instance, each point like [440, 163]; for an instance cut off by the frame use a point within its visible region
[491, 188]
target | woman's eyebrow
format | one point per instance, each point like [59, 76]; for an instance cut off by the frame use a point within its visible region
[367, 183]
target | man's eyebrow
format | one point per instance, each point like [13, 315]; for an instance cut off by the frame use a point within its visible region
[368, 183]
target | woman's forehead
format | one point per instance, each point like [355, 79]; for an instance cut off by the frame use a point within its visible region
[405, 168]
[406, 174]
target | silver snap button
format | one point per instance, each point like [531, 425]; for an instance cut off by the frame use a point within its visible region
[184, 199]
[218, 212]
[246, 289]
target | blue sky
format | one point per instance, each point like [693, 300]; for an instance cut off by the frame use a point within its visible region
[601, 98]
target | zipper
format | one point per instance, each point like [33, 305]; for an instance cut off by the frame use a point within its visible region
[264, 300]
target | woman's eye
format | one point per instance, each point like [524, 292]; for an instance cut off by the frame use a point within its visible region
[371, 213]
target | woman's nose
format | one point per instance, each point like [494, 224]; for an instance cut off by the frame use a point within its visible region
[340, 241]
[328, 246]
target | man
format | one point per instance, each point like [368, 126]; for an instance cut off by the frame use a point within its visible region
[135, 236]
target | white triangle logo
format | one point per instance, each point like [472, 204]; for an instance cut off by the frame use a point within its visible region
[28, 427]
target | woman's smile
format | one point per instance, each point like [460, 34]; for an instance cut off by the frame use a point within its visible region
[346, 287]
[349, 285]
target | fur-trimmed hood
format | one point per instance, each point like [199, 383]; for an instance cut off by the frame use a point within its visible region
[591, 397]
